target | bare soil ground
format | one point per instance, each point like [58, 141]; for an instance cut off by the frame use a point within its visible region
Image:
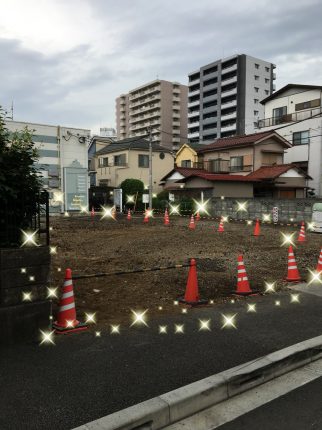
[88, 246]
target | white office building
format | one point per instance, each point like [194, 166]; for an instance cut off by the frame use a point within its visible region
[63, 163]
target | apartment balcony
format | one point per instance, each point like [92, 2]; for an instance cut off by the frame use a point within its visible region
[229, 104]
[193, 135]
[194, 123]
[210, 87]
[228, 93]
[211, 98]
[229, 69]
[194, 113]
[194, 81]
[176, 139]
[176, 115]
[229, 81]
[228, 116]
[228, 127]
[192, 104]
[194, 93]
[211, 75]
[291, 117]
[274, 76]
[144, 92]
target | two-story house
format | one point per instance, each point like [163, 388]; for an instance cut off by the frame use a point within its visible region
[129, 159]
[294, 111]
[242, 166]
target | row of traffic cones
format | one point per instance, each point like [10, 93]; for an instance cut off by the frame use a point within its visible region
[67, 321]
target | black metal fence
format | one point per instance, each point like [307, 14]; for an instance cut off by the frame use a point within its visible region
[27, 214]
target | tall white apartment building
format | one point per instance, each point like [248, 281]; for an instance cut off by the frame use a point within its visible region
[224, 97]
[161, 105]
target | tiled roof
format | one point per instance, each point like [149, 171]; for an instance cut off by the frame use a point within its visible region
[184, 171]
[131, 143]
[247, 139]
[272, 172]
[219, 177]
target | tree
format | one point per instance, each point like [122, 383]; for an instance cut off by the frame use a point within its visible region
[130, 187]
[19, 182]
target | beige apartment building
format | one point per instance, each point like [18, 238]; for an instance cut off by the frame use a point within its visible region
[161, 105]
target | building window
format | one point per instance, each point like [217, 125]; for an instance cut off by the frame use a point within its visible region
[103, 162]
[256, 101]
[236, 164]
[307, 105]
[256, 89]
[278, 114]
[186, 163]
[256, 112]
[266, 81]
[143, 160]
[301, 138]
[267, 69]
[256, 66]
[256, 78]
[266, 92]
[120, 160]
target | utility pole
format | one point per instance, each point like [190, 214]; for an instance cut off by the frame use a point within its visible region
[150, 167]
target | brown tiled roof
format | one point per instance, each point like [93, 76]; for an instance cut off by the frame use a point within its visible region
[219, 177]
[184, 171]
[272, 172]
[247, 139]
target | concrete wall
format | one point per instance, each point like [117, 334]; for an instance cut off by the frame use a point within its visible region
[221, 188]
[295, 209]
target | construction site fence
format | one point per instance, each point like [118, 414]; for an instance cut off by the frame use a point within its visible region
[289, 210]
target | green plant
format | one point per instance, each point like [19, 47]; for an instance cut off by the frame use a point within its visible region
[19, 181]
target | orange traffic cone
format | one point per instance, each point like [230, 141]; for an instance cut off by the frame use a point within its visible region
[113, 212]
[191, 296]
[319, 266]
[292, 271]
[66, 318]
[257, 229]
[221, 226]
[166, 218]
[301, 237]
[92, 212]
[146, 216]
[129, 217]
[198, 216]
[243, 288]
[192, 224]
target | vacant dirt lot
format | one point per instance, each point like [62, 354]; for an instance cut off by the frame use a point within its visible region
[91, 246]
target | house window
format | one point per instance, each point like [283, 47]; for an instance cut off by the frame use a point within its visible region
[103, 162]
[186, 163]
[267, 69]
[256, 101]
[143, 160]
[256, 66]
[307, 105]
[266, 81]
[256, 89]
[256, 78]
[301, 138]
[236, 164]
[266, 92]
[256, 112]
[120, 160]
[278, 114]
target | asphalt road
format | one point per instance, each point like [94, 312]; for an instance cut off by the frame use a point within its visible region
[83, 377]
[300, 409]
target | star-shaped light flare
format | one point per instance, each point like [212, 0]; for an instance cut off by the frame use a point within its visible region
[47, 337]
[204, 325]
[295, 298]
[174, 210]
[229, 321]
[139, 318]
[90, 318]
[288, 239]
[270, 287]
[315, 277]
[29, 238]
[201, 206]
[242, 206]
[51, 292]
[115, 329]
[251, 307]
[163, 329]
[179, 328]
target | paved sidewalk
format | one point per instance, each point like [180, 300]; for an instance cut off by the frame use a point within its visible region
[83, 377]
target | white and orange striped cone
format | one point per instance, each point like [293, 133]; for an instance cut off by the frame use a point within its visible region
[166, 218]
[319, 266]
[192, 224]
[198, 216]
[146, 216]
[221, 226]
[129, 217]
[301, 237]
[66, 318]
[292, 270]
[243, 288]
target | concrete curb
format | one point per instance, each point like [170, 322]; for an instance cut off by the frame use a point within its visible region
[171, 407]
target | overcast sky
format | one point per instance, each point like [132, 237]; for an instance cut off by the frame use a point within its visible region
[65, 61]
